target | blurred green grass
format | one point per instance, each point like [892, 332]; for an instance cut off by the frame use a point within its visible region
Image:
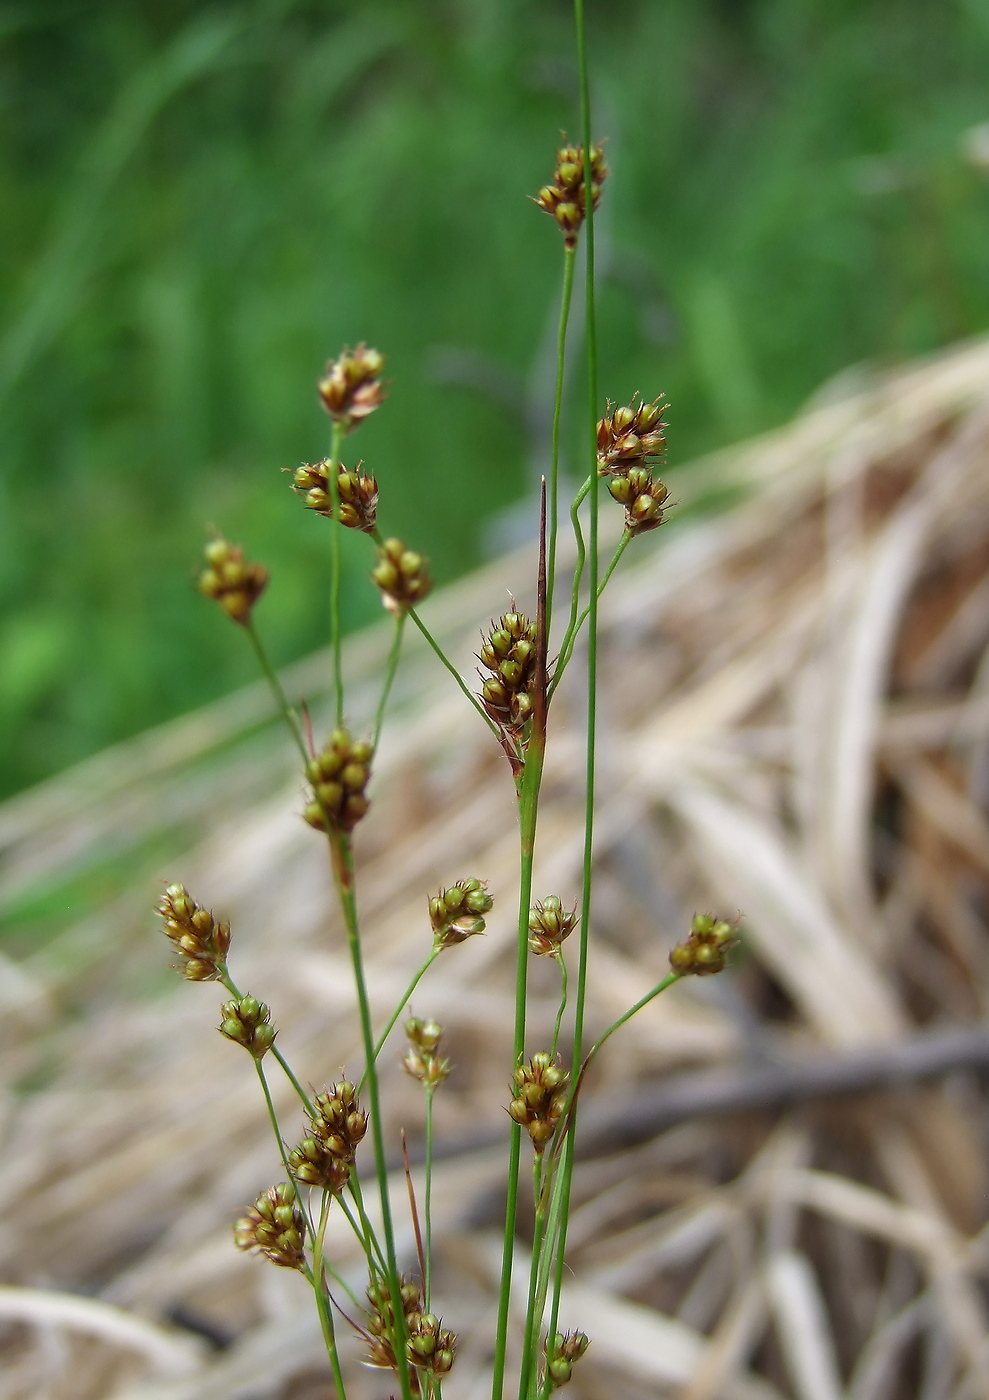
[202, 201]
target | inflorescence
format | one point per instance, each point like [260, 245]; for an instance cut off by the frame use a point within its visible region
[630, 440]
[325, 1157]
[231, 581]
[706, 948]
[357, 494]
[540, 1097]
[458, 912]
[565, 199]
[350, 388]
[339, 775]
[199, 939]
[549, 925]
[509, 653]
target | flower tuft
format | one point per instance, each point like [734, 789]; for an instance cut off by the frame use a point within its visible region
[549, 925]
[565, 199]
[350, 388]
[421, 1061]
[540, 1096]
[633, 435]
[276, 1227]
[357, 492]
[248, 1022]
[339, 775]
[509, 653]
[231, 581]
[458, 912]
[199, 939]
[706, 948]
[402, 577]
[562, 1356]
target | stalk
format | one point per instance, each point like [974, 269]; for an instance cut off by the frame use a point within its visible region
[277, 690]
[392, 667]
[563, 1001]
[343, 873]
[336, 441]
[434, 953]
[578, 574]
[569, 262]
[566, 651]
[323, 1302]
[427, 1201]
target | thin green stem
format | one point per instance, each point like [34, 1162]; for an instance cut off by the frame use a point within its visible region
[563, 1001]
[427, 1200]
[323, 1303]
[391, 668]
[433, 955]
[307, 1102]
[532, 1321]
[344, 877]
[578, 574]
[277, 690]
[274, 1120]
[336, 641]
[569, 262]
[529, 809]
[445, 660]
[362, 1229]
[569, 641]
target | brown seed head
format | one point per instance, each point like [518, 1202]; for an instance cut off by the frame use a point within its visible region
[339, 775]
[350, 387]
[706, 948]
[643, 497]
[276, 1226]
[247, 1022]
[457, 913]
[561, 1357]
[549, 925]
[631, 436]
[231, 581]
[421, 1060]
[402, 577]
[540, 1096]
[509, 653]
[380, 1325]
[201, 942]
[358, 494]
[565, 199]
[338, 1119]
[431, 1347]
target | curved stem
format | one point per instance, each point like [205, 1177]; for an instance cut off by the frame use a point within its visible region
[569, 641]
[563, 1001]
[578, 574]
[333, 477]
[392, 667]
[569, 262]
[445, 660]
[433, 955]
[427, 1201]
[277, 690]
[323, 1303]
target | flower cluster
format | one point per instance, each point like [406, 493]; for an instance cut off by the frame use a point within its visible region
[248, 1022]
[350, 387]
[540, 1097]
[231, 581]
[357, 494]
[431, 1346]
[561, 1357]
[706, 948]
[325, 1157]
[421, 1060]
[195, 935]
[565, 199]
[276, 1226]
[630, 440]
[402, 577]
[339, 777]
[549, 925]
[509, 653]
[458, 912]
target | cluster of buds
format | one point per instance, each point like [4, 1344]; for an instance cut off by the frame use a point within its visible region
[195, 935]
[422, 1061]
[276, 1226]
[540, 1097]
[380, 1326]
[339, 777]
[562, 1356]
[509, 653]
[231, 581]
[248, 1022]
[325, 1157]
[431, 1347]
[643, 497]
[549, 925]
[357, 494]
[402, 577]
[458, 912]
[350, 387]
[706, 948]
[565, 199]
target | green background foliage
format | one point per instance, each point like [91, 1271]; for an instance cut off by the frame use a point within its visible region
[203, 201]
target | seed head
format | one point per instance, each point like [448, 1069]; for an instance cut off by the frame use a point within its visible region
[457, 913]
[540, 1096]
[358, 493]
[431, 1347]
[421, 1060]
[549, 925]
[247, 1021]
[201, 942]
[380, 1326]
[565, 198]
[509, 653]
[339, 776]
[561, 1357]
[706, 948]
[350, 387]
[231, 581]
[631, 436]
[643, 497]
[276, 1226]
[402, 576]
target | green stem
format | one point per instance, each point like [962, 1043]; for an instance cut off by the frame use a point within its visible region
[445, 660]
[392, 667]
[563, 1001]
[234, 991]
[529, 809]
[274, 1121]
[592, 647]
[343, 872]
[532, 1321]
[363, 1229]
[433, 955]
[566, 652]
[323, 1303]
[333, 476]
[578, 574]
[569, 262]
[277, 690]
[427, 1202]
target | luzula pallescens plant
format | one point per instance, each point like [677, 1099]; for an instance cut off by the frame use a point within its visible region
[518, 679]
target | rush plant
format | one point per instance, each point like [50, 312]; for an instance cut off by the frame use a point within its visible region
[287, 1224]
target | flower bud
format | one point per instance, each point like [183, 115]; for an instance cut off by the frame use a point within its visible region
[402, 577]
[706, 948]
